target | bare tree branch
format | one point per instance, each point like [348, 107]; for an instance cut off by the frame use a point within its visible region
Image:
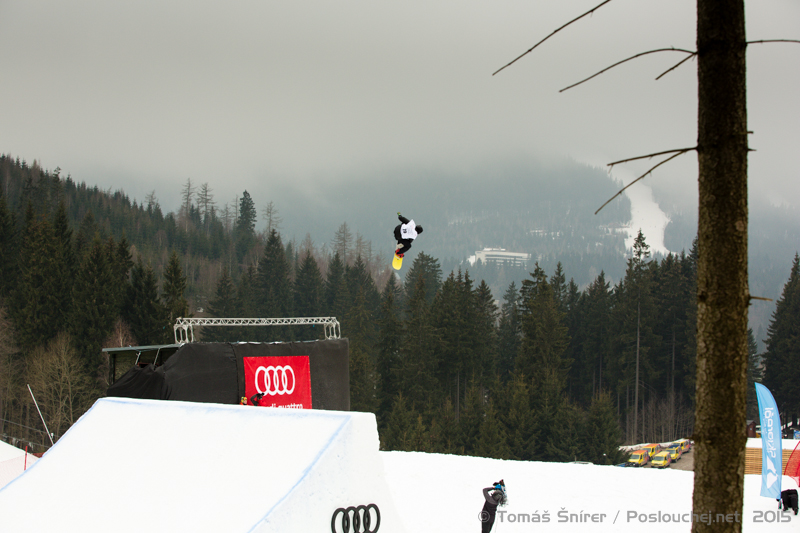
[649, 156]
[629, 59]
[760, 298]
[556, 31]
[773, 41]
[681, 62]
[643, 175]
[749, 42]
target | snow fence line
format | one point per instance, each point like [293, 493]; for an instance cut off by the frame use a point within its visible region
[136, 465]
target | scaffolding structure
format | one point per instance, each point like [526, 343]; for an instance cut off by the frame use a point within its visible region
[184, 331]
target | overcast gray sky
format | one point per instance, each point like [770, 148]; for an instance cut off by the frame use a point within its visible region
[143, 95]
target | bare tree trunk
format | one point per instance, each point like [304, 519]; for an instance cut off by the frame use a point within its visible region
[722, 291]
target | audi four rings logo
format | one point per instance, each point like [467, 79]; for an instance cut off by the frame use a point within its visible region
[361, 517]
[274, 380]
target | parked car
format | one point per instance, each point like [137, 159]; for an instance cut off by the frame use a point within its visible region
[662, 460]
[652, 449]
[675, 451]
[686, 444]
[639, 458]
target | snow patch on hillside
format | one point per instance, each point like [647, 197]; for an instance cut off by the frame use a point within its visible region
[647, 216]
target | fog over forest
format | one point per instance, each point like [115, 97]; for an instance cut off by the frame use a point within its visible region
[544, 209]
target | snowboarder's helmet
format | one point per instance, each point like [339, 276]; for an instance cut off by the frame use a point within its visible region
[418, 229]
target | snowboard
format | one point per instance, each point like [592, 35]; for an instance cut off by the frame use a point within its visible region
[397, 262]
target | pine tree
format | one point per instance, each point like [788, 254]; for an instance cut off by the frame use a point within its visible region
[247, 307]
[603, 432]
[363, 378]
[397, 431]
[36, 315]
[8, 248]
[245, 228]
[307, 290]
[485, 331]
[86, 232]
[558, 281]
[390, 334]
[673, 300]
[690, 326]
[556, 419]
[492, 440]
[427, 268]
[357, 277]
[174, 290]
[334, 285]
[633, 342]
[448, 315]
[93, 306]
[573, 321]
[545, 338]
[589, 372]
[143, 310]
[119, 259]
[470, 419]
[418, 355]
[518, 418]
[782, 358]
[223, 305]
[274, 287]
[509, 333]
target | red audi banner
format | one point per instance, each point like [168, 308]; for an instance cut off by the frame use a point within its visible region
[278, 381]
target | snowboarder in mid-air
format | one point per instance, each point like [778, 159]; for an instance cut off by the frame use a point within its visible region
[494, 496]
[404, 234]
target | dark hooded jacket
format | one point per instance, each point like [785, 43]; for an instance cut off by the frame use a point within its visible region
[493, 498]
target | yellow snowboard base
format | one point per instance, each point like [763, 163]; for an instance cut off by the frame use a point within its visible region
[397, 262]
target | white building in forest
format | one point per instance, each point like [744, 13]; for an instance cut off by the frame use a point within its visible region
[500, 256]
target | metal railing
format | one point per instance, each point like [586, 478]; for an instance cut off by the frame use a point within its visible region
[184, 331]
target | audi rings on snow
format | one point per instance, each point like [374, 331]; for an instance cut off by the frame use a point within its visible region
[275, 380]
[361, 520]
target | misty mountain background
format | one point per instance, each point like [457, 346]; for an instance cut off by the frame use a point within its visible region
[546, 210]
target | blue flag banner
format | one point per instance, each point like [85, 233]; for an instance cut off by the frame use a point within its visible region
[771, 448]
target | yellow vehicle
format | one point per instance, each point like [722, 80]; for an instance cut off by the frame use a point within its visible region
[652, 449]
[639, 458]
[662, 460]
[686, 444]
[675, 451]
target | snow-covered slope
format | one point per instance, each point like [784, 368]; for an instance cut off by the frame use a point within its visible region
[573, 497]
[148, 465]
[137, 465]
[13, 462]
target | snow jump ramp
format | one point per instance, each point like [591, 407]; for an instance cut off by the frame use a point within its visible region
[151, 465]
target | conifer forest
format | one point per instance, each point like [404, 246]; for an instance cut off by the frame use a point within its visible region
[547, 370]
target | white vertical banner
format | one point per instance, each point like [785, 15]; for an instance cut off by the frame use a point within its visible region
[771, 448]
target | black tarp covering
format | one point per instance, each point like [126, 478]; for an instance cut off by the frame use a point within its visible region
[139, 382]
[214, 373]
[202, 373]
